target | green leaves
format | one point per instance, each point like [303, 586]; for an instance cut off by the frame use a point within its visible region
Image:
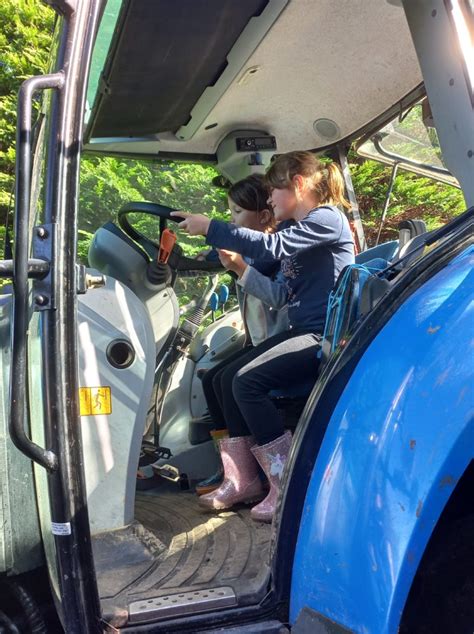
[412, 197]
[25, 39]
[107, 183]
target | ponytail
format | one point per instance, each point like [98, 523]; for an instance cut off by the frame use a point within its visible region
[326, 180]
[335, 186]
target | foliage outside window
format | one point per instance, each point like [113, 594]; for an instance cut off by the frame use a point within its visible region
[106, 183]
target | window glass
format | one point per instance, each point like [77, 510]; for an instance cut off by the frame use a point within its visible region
[413, 141]
[108, 183]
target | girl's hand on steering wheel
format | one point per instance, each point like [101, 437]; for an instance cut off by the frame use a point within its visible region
[194, 224]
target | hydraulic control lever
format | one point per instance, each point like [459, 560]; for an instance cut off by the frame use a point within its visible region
[167, 242]
[158, 272]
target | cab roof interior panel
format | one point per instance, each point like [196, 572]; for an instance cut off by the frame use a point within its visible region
[348, 61]
[163, 56]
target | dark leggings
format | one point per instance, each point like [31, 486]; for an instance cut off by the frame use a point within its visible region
[217, 388]
[243, 386]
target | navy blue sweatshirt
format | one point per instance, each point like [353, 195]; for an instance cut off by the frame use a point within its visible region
[313, 252]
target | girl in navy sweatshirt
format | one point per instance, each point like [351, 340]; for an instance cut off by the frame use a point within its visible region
[248, 205]
[312, 252]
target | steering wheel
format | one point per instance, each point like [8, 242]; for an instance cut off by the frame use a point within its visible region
[151, 247]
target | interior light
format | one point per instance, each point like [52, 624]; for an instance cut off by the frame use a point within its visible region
[462, 12]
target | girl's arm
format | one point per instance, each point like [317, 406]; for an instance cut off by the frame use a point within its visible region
[272, 292]
[269, 291]
[321, 226]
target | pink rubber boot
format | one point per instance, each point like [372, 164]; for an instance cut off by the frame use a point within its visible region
[241, 480]
[272, 458]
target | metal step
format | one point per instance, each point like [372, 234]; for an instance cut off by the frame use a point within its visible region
[262, 627]
[182, 603]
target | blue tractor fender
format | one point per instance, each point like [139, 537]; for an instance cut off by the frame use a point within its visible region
[399, 439]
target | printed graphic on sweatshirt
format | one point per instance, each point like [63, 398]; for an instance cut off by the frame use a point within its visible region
[291, 269]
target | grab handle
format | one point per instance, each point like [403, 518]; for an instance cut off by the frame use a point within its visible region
[18, 376]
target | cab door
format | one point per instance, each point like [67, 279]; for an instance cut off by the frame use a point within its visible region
[44, 421]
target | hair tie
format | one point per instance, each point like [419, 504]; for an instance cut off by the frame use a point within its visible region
[325, 172]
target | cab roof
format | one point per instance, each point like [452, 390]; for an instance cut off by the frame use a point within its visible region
[174, 78]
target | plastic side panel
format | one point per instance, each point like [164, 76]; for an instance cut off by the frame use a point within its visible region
[400, 437]
[196, 461]
[212, 346]
[112, 437]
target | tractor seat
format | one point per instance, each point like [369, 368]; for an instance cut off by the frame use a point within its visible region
[409, 229]
[340, 318]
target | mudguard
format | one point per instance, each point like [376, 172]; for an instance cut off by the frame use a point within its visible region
[399, 439]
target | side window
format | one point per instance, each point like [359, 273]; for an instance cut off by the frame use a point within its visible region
[423, 188]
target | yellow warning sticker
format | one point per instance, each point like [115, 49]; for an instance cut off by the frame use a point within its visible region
[95, 400]
[85, 401]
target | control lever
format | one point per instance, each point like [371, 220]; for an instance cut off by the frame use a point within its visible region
[214, 304]
[223, 296]
[167, 242]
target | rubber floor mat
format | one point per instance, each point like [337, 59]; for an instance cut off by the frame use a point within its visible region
[175, 546]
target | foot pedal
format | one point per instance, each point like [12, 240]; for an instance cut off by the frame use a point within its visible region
[150, 453]
[184, 603]
[168, 472]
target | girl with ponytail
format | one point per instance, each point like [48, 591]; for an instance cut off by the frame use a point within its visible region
[312, 253]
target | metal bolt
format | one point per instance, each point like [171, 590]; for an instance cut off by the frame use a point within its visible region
[433, 13]
[451, 82]
[41, 300]
[470, 153]
[95, 281]
[42, 233]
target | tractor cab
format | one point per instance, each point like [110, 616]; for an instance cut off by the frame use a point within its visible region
[103, 361]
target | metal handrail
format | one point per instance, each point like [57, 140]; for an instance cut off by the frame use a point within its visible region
[19, 376]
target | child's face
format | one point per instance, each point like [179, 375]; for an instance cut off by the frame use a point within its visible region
[246, 218]
[284, 203]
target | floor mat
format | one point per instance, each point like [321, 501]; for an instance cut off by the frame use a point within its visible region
[176, 546]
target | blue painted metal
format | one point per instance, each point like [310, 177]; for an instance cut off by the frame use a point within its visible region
[399, 439]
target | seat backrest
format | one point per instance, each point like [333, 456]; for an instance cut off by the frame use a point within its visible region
[407, 231]
[345, 306]
[386, 251]
[412, 245]
[357, 291]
